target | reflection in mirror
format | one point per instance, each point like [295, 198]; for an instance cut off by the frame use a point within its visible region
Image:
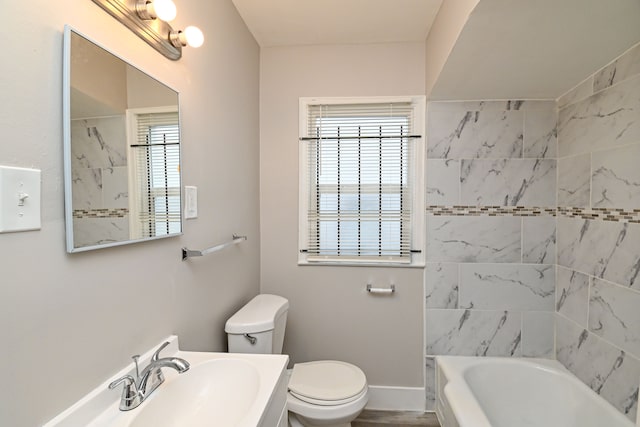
[122, 150]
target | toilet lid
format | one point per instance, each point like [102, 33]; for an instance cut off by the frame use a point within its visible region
[326, 380]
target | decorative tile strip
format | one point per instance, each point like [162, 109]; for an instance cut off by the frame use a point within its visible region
[101, 213]
[605, 214]
[489, 211]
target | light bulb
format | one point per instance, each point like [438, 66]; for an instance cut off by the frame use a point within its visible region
[193, 36]
[164, 10]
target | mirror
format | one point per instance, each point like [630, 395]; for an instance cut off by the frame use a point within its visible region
[121, 150]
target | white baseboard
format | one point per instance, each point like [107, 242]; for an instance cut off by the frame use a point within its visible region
[396, 398]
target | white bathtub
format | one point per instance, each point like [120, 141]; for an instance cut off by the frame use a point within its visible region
[511, 392]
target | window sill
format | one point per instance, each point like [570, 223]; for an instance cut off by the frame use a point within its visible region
[360, 264]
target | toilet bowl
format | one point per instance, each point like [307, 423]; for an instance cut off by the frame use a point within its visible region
[302, 414]
[326, 393]
[320, 393]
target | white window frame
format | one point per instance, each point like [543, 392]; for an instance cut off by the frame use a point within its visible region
[418, 214]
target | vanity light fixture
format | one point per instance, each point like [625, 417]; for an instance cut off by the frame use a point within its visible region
[149, 19]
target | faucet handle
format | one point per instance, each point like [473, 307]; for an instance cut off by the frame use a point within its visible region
[136, 358]
[131, 398]
[156, 355]
[127, 380]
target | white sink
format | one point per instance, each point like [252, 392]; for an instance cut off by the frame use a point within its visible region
[219, 389]
[219, 392]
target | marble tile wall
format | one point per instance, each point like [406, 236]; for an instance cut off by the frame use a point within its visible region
[598, 277]
[99, 180]
[491, 230]
[504, 179]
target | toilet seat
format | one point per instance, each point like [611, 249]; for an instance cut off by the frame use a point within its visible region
[327, 382]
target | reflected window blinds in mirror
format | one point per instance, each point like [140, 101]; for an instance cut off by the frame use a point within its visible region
[155, 154]
[121, 150]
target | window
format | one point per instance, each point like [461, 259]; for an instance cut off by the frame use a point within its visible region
[361, 181]
[155, 154]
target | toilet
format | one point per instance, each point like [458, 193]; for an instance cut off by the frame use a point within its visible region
[320, 393]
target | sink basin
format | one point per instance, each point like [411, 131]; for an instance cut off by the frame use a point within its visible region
[220, 389]
[218, 392]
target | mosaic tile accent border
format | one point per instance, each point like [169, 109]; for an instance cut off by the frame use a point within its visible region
[101, 213]
[604, 214]
[459, 210]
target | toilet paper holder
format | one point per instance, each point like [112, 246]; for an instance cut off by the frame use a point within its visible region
[390, 290]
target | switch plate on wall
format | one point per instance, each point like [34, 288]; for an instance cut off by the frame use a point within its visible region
[190, 202]
[19, 199]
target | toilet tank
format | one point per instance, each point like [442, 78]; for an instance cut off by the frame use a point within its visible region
[258, 327]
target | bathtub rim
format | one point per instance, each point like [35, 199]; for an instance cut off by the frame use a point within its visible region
[465, 406]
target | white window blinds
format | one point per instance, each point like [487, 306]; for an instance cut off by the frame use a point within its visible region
[360, 182]
[156, 153]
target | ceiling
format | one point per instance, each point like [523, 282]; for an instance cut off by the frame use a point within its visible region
[508, 49]
[535, 49]
[308, 22]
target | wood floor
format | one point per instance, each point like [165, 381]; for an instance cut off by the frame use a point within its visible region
[370, 418]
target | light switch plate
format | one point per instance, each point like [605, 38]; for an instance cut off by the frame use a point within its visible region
[190, 202]
[19, 199]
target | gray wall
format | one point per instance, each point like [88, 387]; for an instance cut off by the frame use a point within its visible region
[598, 294]
[444, 33]
[69, 322]
[331, 315]
[490, 276]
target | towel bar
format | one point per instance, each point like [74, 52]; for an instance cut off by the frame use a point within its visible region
[188, 253]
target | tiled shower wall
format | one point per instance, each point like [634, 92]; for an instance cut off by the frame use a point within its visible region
[100, 180]
[598, 293]
[491, 222]
[491, 230]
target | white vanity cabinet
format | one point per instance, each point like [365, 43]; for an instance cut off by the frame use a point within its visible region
[276, 413]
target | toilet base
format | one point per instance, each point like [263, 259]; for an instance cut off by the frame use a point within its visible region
[294, 421]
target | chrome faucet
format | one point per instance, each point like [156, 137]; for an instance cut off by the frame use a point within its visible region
[137, 390]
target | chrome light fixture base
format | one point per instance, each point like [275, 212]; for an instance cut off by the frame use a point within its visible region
[153, 31]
